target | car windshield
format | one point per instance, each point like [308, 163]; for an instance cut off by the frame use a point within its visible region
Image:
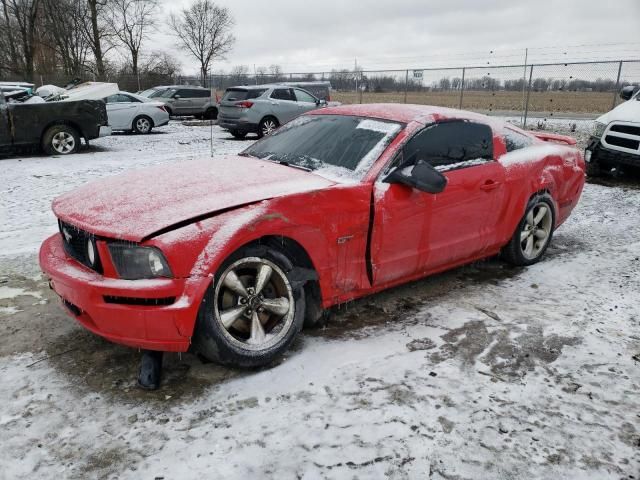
[339, 147]
[148, 92]
[166, 93]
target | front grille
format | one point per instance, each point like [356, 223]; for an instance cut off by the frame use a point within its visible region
[622, 142]
[75, 243]
[629, 129]
[146, 302]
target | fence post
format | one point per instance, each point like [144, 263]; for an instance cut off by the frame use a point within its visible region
[462, 87]
[406, 85]
[526, 106]
[615, 90]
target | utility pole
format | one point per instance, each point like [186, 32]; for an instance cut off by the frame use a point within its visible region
[355, 73]
[524, 81]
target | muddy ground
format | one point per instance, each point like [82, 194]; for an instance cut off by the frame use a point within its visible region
[486, 371]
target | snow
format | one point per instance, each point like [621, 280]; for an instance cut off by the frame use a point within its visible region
[531, 154]
[485, 372]
[464, 164]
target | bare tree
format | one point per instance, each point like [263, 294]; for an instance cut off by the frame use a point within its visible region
[132, 21]
[98, 34]
[22, 15]
[203, 29]
[65, 33]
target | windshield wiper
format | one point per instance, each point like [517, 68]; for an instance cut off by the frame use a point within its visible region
[292, 165]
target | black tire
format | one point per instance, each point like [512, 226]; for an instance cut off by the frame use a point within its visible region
[239, 135]
[211, 113]
[218, 344]
[593, 169]
[169, 111]
[266, 126]
[142, 125]
[513, 252]
[61, 140]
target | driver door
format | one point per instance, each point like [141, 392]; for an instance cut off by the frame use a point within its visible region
[306, 101]
[416, 232]
[284, 105]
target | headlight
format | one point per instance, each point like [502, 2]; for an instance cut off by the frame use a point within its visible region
[599, 129]
[133, 262]
[91, 252]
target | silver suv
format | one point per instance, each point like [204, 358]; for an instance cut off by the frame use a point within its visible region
[188, 100]
[263, 108]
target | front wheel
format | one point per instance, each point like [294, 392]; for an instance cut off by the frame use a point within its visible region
[252, 311]
[534, 232]
[61, 140]
[211, 113]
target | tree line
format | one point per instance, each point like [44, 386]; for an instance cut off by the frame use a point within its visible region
[105, 39]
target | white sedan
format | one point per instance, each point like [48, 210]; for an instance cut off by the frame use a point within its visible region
[130, 112]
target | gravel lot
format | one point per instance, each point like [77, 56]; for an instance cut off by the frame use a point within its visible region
[486, 371]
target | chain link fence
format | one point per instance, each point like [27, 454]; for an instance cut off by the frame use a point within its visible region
[556, 95]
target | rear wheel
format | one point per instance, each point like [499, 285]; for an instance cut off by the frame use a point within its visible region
[252, 311]
[142, 124]
[267, 126]
[534, 232]
[61, 140]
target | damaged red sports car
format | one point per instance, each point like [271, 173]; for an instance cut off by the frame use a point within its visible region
[231, 256]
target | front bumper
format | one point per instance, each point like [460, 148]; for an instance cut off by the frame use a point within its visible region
[104, 305]
[105, 131]
[608, 158]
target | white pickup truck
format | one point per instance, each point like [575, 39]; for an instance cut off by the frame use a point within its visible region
[615, 143]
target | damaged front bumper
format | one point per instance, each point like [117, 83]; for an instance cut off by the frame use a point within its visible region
[138, 313]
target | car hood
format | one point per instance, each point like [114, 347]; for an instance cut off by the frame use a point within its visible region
[628, 111]
[140, 204]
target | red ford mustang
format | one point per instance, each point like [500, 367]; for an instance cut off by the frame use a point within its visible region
[232, 256]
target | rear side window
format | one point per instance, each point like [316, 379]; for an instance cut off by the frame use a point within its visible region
[515, 141]
[451, 145]
[283, 94]
[239, 94]
[199, 93]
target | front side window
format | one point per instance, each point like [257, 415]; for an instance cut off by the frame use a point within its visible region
[451, 145]
[283, 94]
[339, 147]
[303, 96]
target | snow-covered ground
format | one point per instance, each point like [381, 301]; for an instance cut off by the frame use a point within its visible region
[483, 372]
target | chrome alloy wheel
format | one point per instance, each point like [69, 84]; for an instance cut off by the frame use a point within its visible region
[536, 231]
[268, 127]
[254, 303]
[63, 142]
[143, 125]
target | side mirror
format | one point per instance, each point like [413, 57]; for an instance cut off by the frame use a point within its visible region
[176, 97]
[421, 176]
[627, 92]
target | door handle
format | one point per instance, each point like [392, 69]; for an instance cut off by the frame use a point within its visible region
[489, 185]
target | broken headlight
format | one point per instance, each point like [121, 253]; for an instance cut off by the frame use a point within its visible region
[599, 129]
[133, 262]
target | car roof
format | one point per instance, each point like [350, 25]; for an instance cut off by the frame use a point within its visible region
[261, 87]
[405, 113]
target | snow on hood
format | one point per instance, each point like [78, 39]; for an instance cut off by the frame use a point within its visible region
[628, 111]
[138, 204]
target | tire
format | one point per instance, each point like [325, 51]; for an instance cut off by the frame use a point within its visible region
[532, 236]
[593, 169]
[169, 111]
[211, 113]
[239, 329]
[142, 124]
[61, 140]
[239, 135]
[267, 126]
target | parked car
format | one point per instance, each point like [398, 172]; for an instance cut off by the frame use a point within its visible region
[263, 108]
[340, 203]
[188, 100]
[321, 90]
[56, 127]
[615, 143]
[130, 112]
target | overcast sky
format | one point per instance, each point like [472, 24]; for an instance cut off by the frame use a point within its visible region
[303, 36]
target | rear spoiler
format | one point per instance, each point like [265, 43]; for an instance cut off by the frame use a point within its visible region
[554, 138]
